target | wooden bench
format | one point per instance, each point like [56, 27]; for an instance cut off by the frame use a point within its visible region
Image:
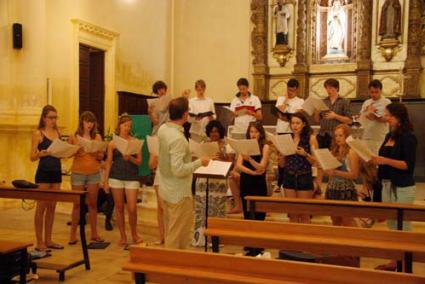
[320, 239]
[58, 196]
[178, 266]
[377, 210]
[8, 247]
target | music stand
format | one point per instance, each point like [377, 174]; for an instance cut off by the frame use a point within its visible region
[204, 172]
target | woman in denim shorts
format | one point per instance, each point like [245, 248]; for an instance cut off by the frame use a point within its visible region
[122, 176]
[85, 174]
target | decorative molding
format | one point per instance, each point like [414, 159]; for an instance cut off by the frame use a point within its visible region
[413, 65]
[94, 30]
[347, 87]
[259, 12]
[301, 67]
[106, 40]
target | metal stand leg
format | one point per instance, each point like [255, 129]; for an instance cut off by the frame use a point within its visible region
[408, 262]
[215, 244]
[83, 233]
[24, 264]
[207, 193]
[139, 278]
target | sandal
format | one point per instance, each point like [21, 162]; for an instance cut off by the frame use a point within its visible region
[97, 240]
[55, 246]
[74, 242]
[42, 249]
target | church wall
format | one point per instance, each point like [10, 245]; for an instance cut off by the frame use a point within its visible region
[142, 56]
[211, 42]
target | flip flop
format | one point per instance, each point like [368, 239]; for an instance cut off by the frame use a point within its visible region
[74, 242]
[55, 246]
[386, 267]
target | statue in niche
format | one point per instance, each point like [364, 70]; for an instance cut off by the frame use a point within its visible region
[390, 23]
[337, 27]
[282, 14]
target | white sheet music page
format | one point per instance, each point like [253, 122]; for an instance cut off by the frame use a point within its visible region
[313, 103]
[208, 149]
[248, 147]
[325, 159]
[217, 168]
[61, 149]
[283, 143]
[360, 147]
[92, 146]
[127, 147]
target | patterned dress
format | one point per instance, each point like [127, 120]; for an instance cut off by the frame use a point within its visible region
[216, 204]
[340, 188]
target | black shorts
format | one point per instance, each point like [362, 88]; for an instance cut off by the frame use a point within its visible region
[48, 176]
[297, 182]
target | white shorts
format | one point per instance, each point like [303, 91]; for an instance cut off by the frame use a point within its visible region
[126, 184]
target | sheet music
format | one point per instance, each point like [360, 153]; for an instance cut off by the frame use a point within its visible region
[61, 149]
[248, 147]
[313, 103]
[209, 149]
[214, 167]
[360, 147]
[92, 146]
[127, 147]
[163, 102]
[153, 144]
[325, 159]
[283, 143]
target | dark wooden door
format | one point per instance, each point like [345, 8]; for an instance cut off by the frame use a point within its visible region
[92, 83]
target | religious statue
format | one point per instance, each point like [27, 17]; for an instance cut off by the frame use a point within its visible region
[390, 23]
[282, 14]
[337, 23]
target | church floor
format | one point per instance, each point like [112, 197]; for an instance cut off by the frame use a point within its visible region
[17, 224]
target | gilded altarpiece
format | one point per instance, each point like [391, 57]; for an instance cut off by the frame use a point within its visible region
[329, 38]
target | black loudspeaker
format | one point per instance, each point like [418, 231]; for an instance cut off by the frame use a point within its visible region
[17, 35]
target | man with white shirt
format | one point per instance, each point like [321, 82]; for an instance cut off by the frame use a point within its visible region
[288, 104]
[246, 107]
[372, 117]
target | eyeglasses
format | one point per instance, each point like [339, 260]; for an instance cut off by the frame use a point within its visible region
[52, 117]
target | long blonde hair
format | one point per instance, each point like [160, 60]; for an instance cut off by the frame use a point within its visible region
[340, 152]
[89, 117]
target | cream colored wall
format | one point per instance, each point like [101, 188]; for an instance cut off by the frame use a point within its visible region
[211, 42]
[142, 56]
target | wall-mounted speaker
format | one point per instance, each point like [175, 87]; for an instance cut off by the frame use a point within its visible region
[17, 35]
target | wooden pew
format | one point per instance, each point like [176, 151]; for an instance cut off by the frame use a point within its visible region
[348, 241]
[58, 196]
[8, 247]
[179, 266]
[377, 210]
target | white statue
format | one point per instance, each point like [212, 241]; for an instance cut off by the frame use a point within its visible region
[282, 14]
[337, 23]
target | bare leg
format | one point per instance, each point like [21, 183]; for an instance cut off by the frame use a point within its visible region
[160, 215]
[118, 194]
[50, 218]
[75, 216]
[131, 195]
[234, 184]
[304, 218]
[93, 190]
[40, 211]
[291, 193]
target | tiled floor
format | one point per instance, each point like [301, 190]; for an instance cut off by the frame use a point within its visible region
[16, 223]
